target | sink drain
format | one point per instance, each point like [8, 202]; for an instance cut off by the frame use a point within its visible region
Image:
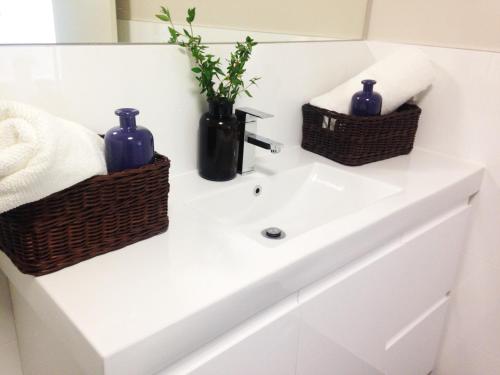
[257, 190]
[273, 233]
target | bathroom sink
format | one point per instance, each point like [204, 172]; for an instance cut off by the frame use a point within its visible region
[295, 201]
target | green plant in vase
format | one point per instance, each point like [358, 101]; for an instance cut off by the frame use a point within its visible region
[220, 133]
[213, 81]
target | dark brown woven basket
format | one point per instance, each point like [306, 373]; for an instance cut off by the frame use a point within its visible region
[93, 217]
[353, 140]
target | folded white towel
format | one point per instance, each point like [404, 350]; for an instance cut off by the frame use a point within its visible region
[41, 154]
[400, 77]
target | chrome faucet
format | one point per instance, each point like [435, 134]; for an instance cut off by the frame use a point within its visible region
[247, 117]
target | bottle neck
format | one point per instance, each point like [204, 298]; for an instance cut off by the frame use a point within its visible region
[368, 85]
[127, 122]
[368, 88]
[220, 108]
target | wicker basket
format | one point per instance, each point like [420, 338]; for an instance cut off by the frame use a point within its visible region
[93, 217]
[353, 140]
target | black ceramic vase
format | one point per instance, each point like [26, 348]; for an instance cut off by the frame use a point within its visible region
[218, 142]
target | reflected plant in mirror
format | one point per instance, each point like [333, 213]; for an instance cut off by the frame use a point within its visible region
[213, 81]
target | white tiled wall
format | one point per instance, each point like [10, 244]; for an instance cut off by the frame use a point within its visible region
[461, 116]
[9, 357]
[87, 83]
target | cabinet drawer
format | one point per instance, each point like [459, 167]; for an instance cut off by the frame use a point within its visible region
[320, 355]
[363, 305]
[413, 350]
[265, 345]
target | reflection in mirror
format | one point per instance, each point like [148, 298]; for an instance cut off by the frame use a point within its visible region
[263, 20]
[57, 21]
[133, 21]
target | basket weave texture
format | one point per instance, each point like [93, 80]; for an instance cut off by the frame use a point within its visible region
[93, 217]
[353, 140]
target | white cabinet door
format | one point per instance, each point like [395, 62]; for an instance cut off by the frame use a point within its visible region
[264, 345]
[356, 311]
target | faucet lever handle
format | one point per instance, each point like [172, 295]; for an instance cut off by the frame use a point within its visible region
[243, 111]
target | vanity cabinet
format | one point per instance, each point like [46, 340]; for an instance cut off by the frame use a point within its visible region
[382, 314]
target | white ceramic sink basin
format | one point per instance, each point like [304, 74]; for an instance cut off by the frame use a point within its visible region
[296, 200]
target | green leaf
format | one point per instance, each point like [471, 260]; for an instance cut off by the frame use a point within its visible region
[248, 93]
[191, 15]
[196, 69]
[163, 17]
[174, 37]
[173, 33]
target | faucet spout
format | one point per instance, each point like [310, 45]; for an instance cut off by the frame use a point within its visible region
[263, 142]
[247, 118]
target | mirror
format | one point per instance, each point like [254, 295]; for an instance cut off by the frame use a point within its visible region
[217, 21]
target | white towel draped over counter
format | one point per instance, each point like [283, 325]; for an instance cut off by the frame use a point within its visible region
[400, 77]
[41, 154]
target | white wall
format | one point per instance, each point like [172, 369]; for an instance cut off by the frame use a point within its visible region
[463, 24]
[461, 116]
[9, 357]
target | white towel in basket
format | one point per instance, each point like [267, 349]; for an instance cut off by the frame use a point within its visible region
[41, 154]
[400, 77]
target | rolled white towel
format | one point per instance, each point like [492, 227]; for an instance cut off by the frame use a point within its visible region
[400, 77]
[41, 154]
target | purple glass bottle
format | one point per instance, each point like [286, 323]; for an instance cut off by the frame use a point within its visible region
[366, 102]
[128, 145]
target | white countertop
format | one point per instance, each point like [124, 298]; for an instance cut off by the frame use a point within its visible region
[136, 310]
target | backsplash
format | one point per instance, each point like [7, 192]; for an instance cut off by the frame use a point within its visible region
[87, 83]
